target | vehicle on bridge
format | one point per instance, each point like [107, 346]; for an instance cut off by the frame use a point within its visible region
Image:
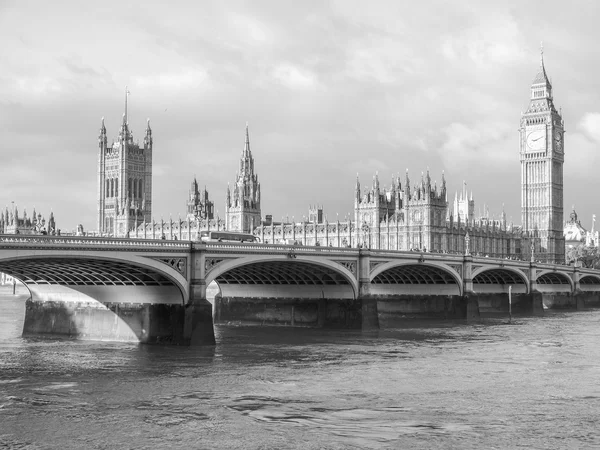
[227, 236]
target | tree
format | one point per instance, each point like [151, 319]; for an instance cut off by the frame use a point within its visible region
[586, 256]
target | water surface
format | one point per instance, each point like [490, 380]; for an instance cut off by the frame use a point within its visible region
[530, 384]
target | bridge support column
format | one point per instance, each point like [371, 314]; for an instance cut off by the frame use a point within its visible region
[470, 300]
[198, 328]
[369, 309]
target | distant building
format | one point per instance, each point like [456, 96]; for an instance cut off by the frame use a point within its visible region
[11, 222]
[242, 206]
[124, 181]
[542, 157]
[199, 206]
[575, 234]
[402, 218]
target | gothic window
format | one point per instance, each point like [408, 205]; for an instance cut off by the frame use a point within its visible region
[107, 188]
[116, 187]
[112, 187]
[141, 189]
[129, 187]
[135, 191]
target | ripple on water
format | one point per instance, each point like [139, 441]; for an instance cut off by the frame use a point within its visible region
[383, 424]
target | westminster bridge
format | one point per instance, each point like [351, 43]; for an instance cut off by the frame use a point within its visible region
[154, 291]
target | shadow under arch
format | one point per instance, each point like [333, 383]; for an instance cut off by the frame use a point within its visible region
[589, 283]
[97, 299]
[499, 279]
[95, 270]
[551, 281]
[424, 278]
[272, 276]
[284, 290]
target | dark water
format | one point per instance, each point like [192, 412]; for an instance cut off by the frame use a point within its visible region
[532, 384]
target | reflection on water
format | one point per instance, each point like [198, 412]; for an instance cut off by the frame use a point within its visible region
[531, 384]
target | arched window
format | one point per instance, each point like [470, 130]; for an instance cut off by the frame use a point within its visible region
[112, 187]
[107, 188]
[116, 187]
[141, 191]
[130, 188]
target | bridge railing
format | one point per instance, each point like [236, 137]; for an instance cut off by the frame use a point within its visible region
[19, 240]
[275, 247]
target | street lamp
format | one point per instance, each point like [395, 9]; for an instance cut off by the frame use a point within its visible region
[38, 224]
[365, 229]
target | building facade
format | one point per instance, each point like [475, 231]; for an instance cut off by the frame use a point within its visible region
[124, 181]
[12, 222]
[242, 206]
[542, 156]
[199, 206]
[410, 217]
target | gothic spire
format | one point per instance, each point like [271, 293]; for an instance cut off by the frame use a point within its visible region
[247, 144]
[125, 118]
[542, 77]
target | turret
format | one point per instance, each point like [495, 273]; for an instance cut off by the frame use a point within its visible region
[148, 137]
[102, 138]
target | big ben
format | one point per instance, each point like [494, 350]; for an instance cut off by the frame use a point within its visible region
[542, 156]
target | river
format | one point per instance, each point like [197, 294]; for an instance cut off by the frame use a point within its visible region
[530, 384]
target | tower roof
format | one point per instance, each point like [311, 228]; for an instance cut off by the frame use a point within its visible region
[247, 143]
[541, 77]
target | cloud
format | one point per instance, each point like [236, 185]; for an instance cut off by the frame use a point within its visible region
[294, 77]
[467, 144]
[192, 78]
[493, 41]
[590, 125]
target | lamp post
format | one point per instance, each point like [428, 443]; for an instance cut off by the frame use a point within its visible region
[38, 224]
[365, 229]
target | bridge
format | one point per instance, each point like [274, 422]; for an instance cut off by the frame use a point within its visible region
[154, 291]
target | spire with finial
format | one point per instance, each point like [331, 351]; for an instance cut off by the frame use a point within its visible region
[148, 137]
[247, 143]
[541, 86]
[102, 139]
[125, 117]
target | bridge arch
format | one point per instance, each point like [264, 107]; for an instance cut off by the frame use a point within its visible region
[417, 275]
[94, 273]
[493, 279]
[274, 272]
[589, 279]
[554, 281]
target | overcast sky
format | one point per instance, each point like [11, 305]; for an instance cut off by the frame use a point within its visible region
[329, 89]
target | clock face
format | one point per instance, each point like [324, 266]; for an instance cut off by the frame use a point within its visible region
[536, 140]
[558, 142]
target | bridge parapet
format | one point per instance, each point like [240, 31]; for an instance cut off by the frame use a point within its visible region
[24, 241]
[261, 248]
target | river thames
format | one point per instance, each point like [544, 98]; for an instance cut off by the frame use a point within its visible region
[534, 383]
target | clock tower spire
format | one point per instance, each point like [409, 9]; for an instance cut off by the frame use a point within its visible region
[542, 158]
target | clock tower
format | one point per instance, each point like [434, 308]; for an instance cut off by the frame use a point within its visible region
[542, 156]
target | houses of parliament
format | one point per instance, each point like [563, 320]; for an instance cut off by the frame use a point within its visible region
[410, 214]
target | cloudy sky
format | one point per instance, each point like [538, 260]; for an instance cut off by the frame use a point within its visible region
[329, 89]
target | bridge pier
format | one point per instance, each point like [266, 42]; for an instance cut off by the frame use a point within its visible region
[289, 311]
[587, 299]
[107, 313]
[198, 328]
[496, 304]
